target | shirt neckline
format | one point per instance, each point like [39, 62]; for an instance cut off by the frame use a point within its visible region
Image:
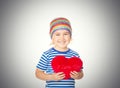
[61, 51]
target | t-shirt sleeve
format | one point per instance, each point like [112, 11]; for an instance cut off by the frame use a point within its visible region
[80, 58]
[42, 64]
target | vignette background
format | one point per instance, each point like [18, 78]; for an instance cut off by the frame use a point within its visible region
[24, 35]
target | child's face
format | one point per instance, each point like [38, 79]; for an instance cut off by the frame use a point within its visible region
[61, 38]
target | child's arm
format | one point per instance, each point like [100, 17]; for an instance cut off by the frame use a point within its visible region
[43, 76]
[77, 75]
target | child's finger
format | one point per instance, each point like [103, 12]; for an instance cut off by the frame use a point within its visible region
[60, 73]
[73, 72]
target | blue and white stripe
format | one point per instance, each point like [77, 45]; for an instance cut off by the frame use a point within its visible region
[45, 65]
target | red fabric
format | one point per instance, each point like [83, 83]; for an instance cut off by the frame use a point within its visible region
[66, 65]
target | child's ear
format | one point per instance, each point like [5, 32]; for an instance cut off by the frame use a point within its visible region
[71, 39]
[52, 43]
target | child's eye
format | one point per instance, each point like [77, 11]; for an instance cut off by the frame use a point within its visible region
[66, 34]
[57, 34]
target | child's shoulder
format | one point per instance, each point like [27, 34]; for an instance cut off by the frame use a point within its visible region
[74, 52]
[49, 51]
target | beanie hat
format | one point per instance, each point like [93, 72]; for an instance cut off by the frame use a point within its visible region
[60, 24]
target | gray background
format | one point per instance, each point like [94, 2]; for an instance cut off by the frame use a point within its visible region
[24, 28]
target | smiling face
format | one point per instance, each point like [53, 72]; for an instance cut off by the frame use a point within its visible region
[61, 39]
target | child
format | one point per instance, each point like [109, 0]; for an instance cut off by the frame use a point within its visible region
[60, 33]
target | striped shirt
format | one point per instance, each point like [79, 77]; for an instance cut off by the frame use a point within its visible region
[44, 64]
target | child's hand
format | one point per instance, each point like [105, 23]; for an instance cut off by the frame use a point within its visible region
[76, 75]
[58, 76]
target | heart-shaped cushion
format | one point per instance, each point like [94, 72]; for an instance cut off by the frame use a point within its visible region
[66, 65]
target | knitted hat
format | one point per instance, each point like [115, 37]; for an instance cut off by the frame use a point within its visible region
[60, 24]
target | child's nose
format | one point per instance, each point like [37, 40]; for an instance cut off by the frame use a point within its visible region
[62, 37]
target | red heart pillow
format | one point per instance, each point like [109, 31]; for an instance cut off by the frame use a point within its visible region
[66, 65]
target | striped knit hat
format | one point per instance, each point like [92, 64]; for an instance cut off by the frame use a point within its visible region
[60, 23]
